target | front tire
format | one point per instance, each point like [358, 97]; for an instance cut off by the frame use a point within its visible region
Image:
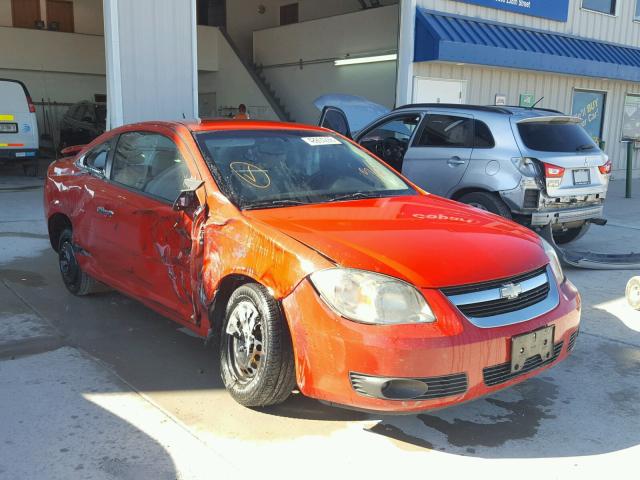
[76, 281]
[256, 354]
[488, 202]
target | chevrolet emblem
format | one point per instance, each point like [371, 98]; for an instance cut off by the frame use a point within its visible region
[510, 291]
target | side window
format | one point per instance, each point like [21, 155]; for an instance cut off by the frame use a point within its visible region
[400, 128]
[482, 135]
[80, 112]
[150, 163]
[446, 131]
[96, 159]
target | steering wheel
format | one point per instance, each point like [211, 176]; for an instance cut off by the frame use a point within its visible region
[392, 151]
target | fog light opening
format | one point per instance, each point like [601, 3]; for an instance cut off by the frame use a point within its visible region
[403, 389]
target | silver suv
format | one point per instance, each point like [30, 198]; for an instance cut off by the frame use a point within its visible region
[536, 166]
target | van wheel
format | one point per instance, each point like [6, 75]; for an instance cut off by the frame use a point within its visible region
[488, 202]
[76, 281]
[256, 355]
[570, 235]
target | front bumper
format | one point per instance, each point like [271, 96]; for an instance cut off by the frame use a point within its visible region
[372, 367]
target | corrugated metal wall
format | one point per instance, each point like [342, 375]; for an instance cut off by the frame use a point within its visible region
[483, 83]
[618, 29]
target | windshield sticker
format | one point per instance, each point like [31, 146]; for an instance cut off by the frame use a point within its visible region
[316, 141]
[251, 174]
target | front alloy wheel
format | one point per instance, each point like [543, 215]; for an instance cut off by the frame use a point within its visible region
[256, 355]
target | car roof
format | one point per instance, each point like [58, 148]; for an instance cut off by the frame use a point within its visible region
[495, 109]
[223, 124]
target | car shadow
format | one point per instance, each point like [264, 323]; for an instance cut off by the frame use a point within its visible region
[587, 405]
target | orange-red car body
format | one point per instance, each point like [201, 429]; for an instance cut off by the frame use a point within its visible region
[177, 263]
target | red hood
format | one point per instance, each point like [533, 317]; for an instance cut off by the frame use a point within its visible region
[427, 240]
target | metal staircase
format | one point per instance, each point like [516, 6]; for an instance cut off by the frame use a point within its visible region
[258, 77]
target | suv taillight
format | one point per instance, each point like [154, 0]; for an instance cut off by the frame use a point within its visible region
[32, 107]
[606, 168]
[553, 171]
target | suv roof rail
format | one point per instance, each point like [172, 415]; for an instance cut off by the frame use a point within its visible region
[459, 106]
[536, 108]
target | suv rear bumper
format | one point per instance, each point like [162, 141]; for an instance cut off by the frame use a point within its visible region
[554, 217]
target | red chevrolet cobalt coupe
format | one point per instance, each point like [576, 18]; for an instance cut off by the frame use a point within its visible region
[313, 263]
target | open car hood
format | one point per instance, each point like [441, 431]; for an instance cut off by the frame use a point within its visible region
[359, 111]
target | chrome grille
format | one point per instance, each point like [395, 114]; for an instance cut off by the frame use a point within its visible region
[502, 373]
[506, 301]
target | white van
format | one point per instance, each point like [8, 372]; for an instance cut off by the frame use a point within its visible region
[18, 124]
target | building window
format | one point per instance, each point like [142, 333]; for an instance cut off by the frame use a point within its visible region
[589, 106]
[602, 6]
[637, 15]
[289, 14]
[211, 13]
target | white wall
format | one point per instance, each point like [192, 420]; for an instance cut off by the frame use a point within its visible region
[151, 60]
[87, 15]
[618, 29]
[243, 17]
[325, 39]
[483, 83]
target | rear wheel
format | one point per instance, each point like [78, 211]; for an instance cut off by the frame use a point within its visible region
[256, 355]
[488, 202]
[570, 235]
[76, 281]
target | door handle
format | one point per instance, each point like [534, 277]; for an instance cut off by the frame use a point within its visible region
[104, 211]
[454, 161]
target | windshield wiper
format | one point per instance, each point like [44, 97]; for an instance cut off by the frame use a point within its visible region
[357, 196]
[584, 147]
[274, 204]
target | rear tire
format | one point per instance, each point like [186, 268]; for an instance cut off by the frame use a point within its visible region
[76, 281]
[256, 354]
[488, 202]
[570, 235]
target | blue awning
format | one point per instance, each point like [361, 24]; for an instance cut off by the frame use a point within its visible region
[452, 38]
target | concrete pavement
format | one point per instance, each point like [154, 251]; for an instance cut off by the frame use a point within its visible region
[130, 372]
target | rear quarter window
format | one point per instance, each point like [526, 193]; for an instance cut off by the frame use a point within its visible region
[555, 137]
[12, 98]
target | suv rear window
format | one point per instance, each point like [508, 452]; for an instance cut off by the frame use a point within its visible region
[555, 137]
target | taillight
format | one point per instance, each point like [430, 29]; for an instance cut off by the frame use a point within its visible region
[606, 168]
[32, 107]
[553, 171]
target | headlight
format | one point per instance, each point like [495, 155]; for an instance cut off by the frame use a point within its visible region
[528, 167]
[554, 261]
[369, 297]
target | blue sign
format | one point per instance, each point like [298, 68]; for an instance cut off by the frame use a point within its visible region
[552, 9]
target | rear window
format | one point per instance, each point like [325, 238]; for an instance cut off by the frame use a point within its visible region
[555, 137]
[12, 98]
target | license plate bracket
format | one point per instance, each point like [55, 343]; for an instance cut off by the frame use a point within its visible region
[525, 346]
[582, 176]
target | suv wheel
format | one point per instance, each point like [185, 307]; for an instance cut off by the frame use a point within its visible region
[488, 202]
[256, 354]
[571, 235]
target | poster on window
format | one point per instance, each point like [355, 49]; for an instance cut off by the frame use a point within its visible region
[589, 106]
[631, 118]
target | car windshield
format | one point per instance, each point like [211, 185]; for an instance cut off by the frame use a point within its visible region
[268, 169]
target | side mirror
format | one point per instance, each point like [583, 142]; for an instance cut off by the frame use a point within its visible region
[72, 150]
[188, 199]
